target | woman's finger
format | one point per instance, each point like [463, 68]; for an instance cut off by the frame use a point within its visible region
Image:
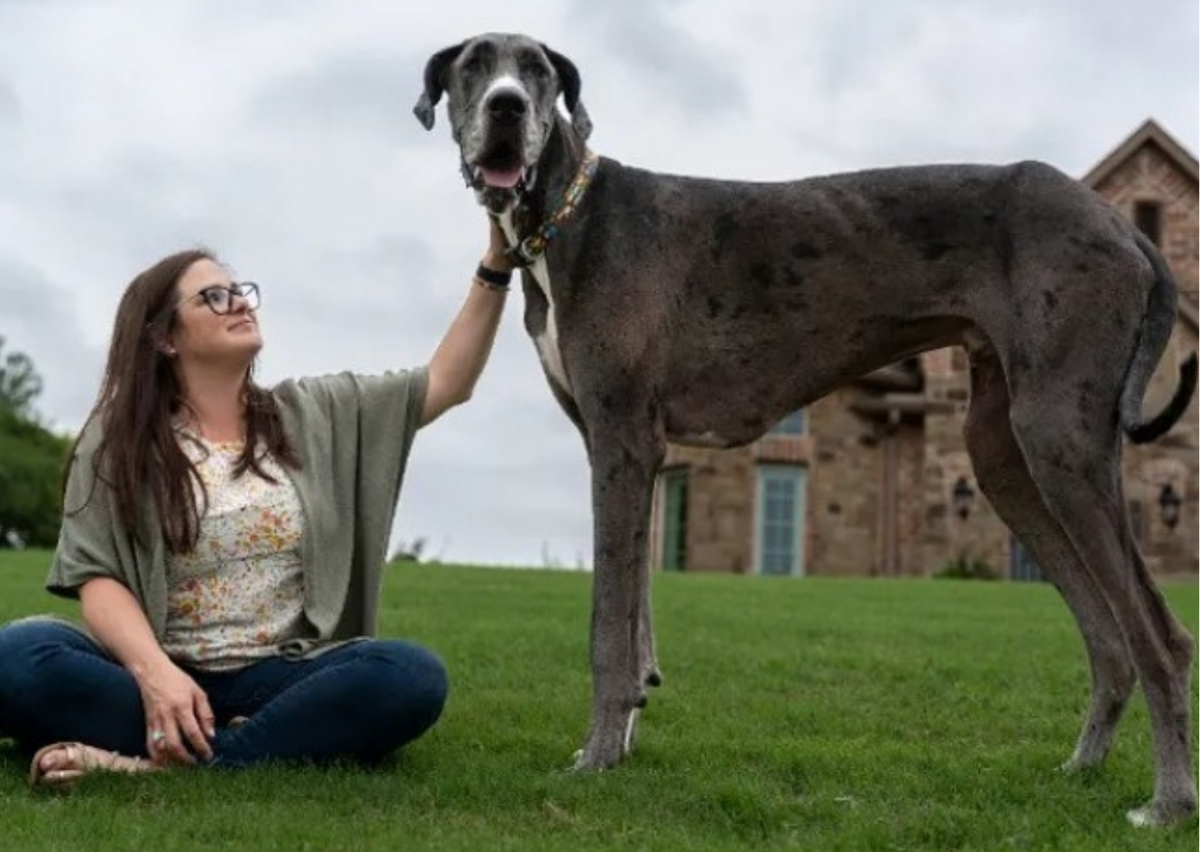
[156, 741]
[172, 745]
[189, 727]
[208, 719]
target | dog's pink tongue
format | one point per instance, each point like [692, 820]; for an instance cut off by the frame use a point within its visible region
[502, 178]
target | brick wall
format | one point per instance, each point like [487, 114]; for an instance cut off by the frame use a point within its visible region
[1150, 175]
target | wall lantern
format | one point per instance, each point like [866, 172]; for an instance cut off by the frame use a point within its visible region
[1168, 505]
[964, 496]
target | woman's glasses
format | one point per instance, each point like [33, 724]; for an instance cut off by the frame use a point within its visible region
[220, 299]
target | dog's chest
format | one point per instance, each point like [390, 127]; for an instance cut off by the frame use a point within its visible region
[546, 340]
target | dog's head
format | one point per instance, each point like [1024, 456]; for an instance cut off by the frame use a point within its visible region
[501, 93]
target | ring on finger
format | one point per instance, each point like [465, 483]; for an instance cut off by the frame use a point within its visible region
[157, 737]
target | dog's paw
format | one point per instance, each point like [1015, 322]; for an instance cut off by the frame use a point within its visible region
[1156, 814]
[602, 752]
[581, 763]
[1077, 766]
[1144, 817]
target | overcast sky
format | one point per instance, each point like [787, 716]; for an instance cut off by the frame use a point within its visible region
[280, 134]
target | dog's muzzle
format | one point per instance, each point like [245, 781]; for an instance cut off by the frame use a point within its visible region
[499, 171]
[513, 181]
[498, 199]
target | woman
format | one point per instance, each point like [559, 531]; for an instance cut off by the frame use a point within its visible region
[226, 544]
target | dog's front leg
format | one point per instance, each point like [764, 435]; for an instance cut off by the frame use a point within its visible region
[623, 471]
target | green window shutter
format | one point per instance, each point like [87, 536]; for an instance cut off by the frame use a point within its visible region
[675, 499]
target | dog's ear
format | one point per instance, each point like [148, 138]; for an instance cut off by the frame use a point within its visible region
[568, 76]
[435, 83]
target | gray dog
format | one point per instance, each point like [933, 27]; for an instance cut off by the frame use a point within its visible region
[702, 311]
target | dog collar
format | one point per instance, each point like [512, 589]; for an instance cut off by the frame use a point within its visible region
[532, 247]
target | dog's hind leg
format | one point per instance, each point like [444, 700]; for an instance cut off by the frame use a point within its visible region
[1068, 434]
[1004, 478]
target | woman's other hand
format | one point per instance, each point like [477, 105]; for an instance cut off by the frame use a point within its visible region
[179, 720]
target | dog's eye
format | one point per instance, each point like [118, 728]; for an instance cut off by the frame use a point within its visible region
[472, 64]
[534, 68]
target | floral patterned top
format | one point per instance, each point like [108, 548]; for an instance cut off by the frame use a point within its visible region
[240, 593]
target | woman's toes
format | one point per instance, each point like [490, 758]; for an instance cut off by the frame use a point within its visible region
[52, 760]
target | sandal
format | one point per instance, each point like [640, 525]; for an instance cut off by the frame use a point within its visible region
[80, 760]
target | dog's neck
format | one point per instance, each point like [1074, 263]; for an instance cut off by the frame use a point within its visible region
[557, 167]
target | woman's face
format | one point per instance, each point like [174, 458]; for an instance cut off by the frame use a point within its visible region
[215, 320]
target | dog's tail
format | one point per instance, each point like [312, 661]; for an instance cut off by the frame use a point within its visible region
[1157, 326]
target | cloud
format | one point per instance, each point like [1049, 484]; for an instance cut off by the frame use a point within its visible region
[356, 307]
[350, 93]
[10, 107]
[644, 44]
[530, 491]
[39, 320]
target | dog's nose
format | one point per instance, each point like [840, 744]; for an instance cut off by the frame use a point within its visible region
[506, 107]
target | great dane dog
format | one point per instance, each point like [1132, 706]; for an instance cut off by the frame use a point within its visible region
[668, 308]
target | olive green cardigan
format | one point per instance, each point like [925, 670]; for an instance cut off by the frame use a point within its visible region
[352, 434]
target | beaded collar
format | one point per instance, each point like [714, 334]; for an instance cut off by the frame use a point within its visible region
[532, 247]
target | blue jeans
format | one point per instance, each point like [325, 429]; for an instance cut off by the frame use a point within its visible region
[357, 702]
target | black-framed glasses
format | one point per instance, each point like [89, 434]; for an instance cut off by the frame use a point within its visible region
[220, 298]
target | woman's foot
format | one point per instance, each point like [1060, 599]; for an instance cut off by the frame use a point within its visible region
[62, 763]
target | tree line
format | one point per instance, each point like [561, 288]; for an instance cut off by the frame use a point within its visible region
[32, 458]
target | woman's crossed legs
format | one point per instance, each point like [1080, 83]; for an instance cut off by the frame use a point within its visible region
[359, 701]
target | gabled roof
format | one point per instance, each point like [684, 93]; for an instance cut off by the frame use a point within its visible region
[1149, 132]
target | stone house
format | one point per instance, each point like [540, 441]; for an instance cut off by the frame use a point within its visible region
[874, 479]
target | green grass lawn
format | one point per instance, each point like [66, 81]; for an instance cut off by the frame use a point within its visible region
[812, 714]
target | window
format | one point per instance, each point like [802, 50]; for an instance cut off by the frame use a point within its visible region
[1147, 215]
[794, 424]
[780, 520]
[675, 494]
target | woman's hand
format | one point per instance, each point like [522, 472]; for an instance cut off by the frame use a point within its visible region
[179, 720]
[496, 257]
[177, 710]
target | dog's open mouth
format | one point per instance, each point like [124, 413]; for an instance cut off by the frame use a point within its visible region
[500, 168]
[503, 178]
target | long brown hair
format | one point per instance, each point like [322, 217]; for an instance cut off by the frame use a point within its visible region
[139, 454]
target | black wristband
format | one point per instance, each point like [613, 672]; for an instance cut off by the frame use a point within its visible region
[494, 277]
